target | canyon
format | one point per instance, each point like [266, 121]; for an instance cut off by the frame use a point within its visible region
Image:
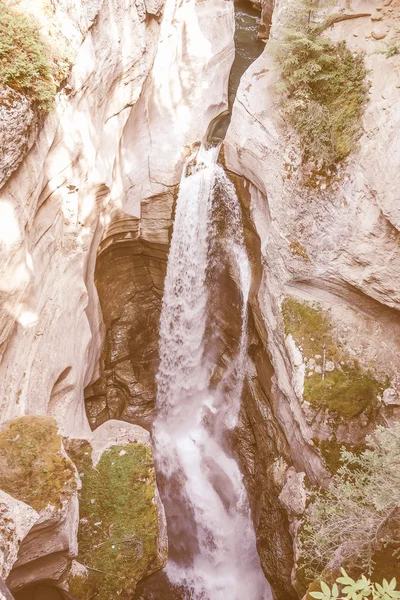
[91, 198]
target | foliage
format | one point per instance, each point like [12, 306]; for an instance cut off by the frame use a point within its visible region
[25, 64]
[118, 530]
[323, 87]
[33, 467]
[348, 390]
[360, 512]
[347, 588]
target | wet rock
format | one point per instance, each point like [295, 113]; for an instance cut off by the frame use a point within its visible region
[130, 275]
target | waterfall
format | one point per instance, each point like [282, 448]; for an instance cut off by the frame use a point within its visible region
[212, 541]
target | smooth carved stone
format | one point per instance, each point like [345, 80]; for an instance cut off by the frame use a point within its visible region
[379, 32]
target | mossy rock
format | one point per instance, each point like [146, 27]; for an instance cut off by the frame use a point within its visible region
[348, 390]
[119, 528]
[33, 465]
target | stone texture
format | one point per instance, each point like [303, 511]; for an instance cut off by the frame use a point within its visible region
[18, 129]
[129, 276]
[16, 519]
[123, 124]
[294, 495]
[350, 236]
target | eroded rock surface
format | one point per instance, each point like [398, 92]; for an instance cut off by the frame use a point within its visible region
[118, 137]
[332, 248]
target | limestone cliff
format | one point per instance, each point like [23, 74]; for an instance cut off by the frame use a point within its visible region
[120, 106]
[140, 88]
[330, 257]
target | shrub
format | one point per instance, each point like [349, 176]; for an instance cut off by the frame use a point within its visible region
[323, 85]
[347, 588]
[360, 512]
[25, 64]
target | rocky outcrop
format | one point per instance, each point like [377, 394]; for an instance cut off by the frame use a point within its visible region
[16, 519]
[129, 276]
[42, 483]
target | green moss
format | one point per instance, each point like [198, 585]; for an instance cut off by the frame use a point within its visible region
[348, 390]
[25, 64]
[118, 530]
[32, 466]
[310, 327]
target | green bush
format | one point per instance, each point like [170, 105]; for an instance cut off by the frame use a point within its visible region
[25, 64]
[323, 85]
[347, 588]
[359, 515]
[33, 466]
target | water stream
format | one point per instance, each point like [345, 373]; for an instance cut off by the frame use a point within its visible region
[212, 542]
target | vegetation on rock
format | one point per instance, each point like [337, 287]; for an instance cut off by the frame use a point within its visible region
[33, 466]
[359, 515]
[323, 85]
[346, 389]
[26, 64]
[118, 530]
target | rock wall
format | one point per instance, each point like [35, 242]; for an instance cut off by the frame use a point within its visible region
[332, 248]
[115, 123]
[100, 170]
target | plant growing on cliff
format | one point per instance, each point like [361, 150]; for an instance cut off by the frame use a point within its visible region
[25, 64]
[323, 87]
[359, 515]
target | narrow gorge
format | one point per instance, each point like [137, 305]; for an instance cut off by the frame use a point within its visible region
[199, 342]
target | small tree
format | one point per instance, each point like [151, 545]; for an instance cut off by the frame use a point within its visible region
[25, 64]
[323, 86]
[360, 512]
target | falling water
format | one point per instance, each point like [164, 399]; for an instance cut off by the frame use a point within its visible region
[212, 542]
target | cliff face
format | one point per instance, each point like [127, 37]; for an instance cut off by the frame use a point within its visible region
[330, 255]
[100, 169]
[121, 114]
[86, 210]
